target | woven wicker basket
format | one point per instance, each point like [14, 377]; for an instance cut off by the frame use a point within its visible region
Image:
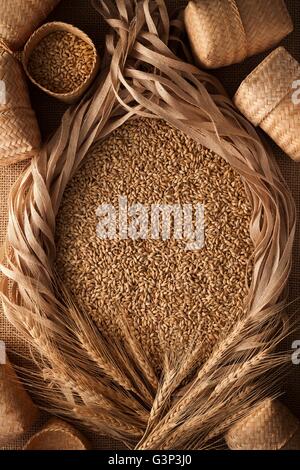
[44, 31]
[57, 435]
[20, 17]
[17, 411]
[224, 32]
[19, 131]
[266, 98]
[271, 426]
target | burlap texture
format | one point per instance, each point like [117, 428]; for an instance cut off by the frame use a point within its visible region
[49, 112]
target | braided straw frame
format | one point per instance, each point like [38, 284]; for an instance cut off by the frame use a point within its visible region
[265, 98]
[142, 77]
[270, 426]
[44, 31]
[19, 131]
[20, 17]
[57, 435]
[225, 32]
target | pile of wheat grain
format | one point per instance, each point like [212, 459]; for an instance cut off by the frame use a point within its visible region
[169, 294]
[61, 62]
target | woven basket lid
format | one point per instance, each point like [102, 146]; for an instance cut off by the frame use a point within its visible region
[262, 91]
[171, 295]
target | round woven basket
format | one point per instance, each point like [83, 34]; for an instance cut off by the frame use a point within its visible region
[40, 34]
[57, 435]
[20, 18]
[265, 97]
[270, 426]
[225, 32]
[19, 131]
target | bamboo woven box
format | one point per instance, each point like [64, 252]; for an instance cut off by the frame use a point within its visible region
[97, 311]
[20, 137]
[61, 60]
[19, 131]
[269, 426]
[17, 411]
[225, 32]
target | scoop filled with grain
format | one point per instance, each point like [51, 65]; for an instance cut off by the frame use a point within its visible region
[61, 60]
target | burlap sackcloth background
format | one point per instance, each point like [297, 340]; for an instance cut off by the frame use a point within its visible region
[49, 111]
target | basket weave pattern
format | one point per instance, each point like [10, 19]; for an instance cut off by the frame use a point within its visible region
[205, 20]
[20, 18]
[37, 37]
[265, 98]
[17, 411]
[242, 358]
[247, 27]
[19, 132]
[270, 426]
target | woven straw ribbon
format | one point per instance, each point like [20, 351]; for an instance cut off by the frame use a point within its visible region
[224, 32]
[265, 98]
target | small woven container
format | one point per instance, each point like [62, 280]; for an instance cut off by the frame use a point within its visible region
[20, 18]
[265, 97]
[270, 426]
[17, 411]
[58, 435]
[225, 32]
[19, 131]
[40, 34]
